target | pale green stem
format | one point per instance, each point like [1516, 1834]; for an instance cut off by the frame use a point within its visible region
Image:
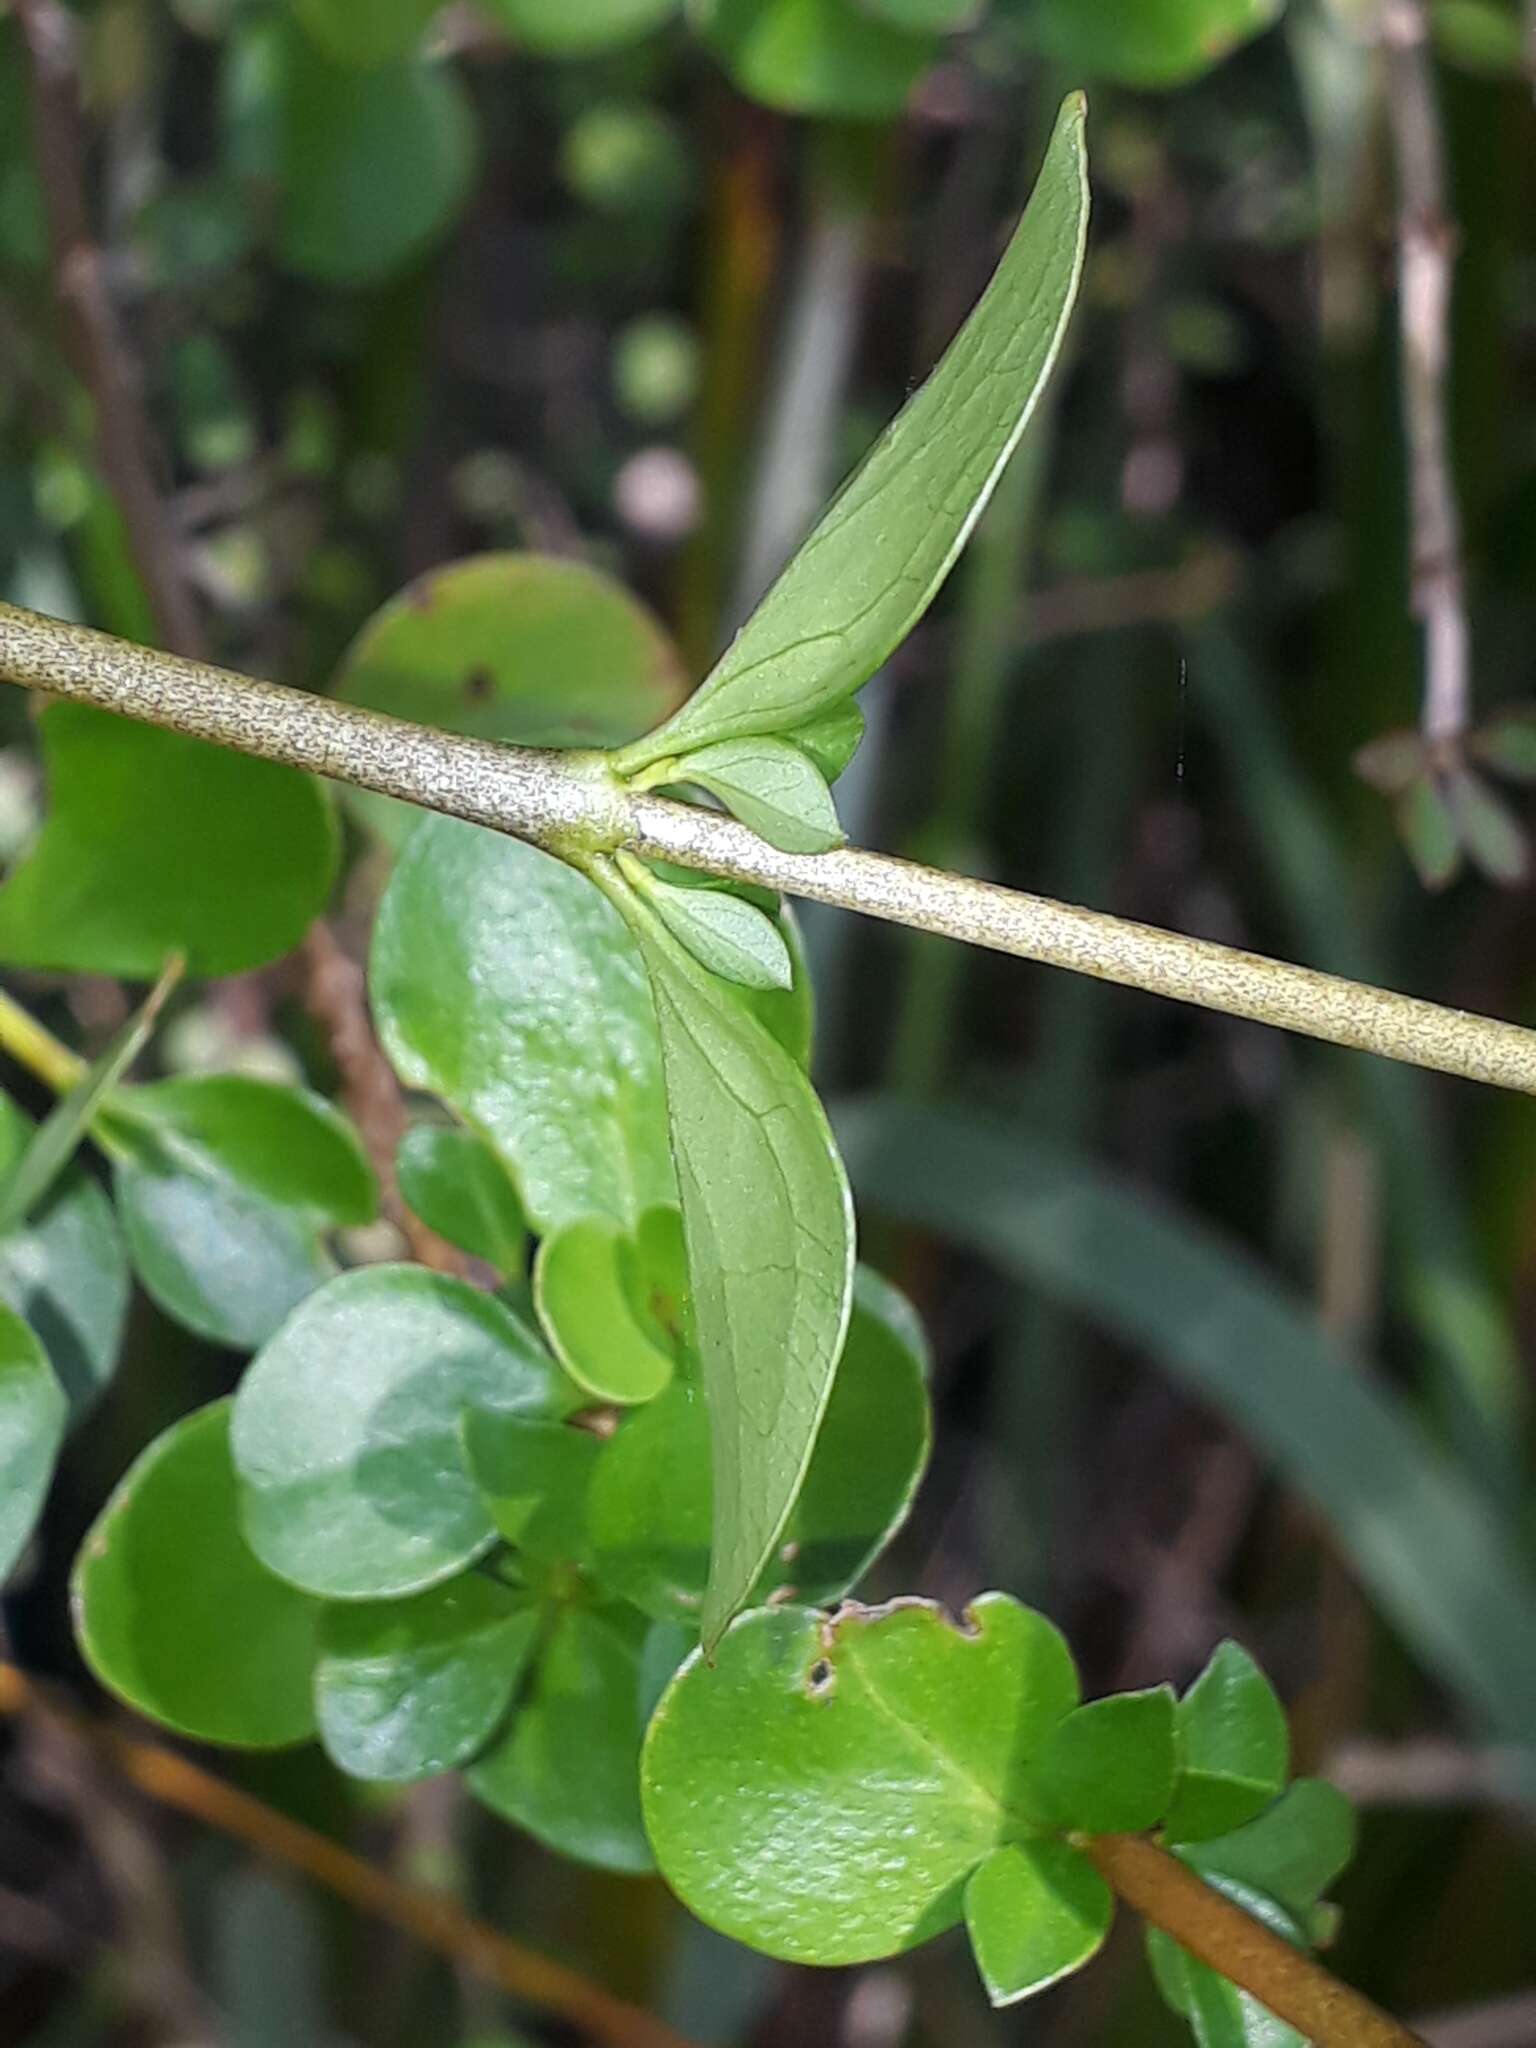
[31, 1046]
[572, 805]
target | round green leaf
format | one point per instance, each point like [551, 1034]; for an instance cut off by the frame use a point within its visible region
[407, 1688]
[1109, 1768]
[556, 28]
[64, 1271]
[815, 56]
[154, 845]
[529, 648]
[176, 1616]
[589, 1288]
[459, 1188]
[371, 33]
[1147, 42]
[534, 1477]
[1035, 1912]
[1293, 1852]
[225, 1192]
[33, 1412]
[1233, 1748]
[568, 1768]
[825, 1791]
[373, 163]
[548, 1045]
[650, 1503]
[347, 1430]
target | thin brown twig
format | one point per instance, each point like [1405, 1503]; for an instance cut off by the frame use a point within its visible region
[1285, 1980]
[336, 996]
[1426, 254]
[125, 444]
[430, 1917]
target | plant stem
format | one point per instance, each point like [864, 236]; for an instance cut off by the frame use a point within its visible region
[34, 1047]
[572, 805]
[428, 1916]
[1285, 1980]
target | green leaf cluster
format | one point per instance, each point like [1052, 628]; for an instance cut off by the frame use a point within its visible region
[779, 1783]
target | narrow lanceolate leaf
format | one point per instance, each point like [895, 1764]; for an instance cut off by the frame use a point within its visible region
[871, 568]
[731, 938]
[54, 1143]
[768, 1226]
[773, 787]
[33, 1412]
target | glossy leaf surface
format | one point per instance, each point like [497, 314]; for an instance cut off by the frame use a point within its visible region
[347, 1430]
[1110, 1767]
[871, 568]
[64, 1271]
[1035, 1912]
[226, 1190]
[1233, 1748]
[408, 1688]
[33, 1412]
[154, 845]
[568, 1767]
[529, 648]
[549, 1045]
[177, 1617]
[768, 1225]
[760, 1800]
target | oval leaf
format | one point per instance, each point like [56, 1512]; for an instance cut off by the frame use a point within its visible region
[1035, 1912]
[587, 1287]
[815, 56]
[176, 1616]
[154, 845]
[731, 938]
[225, 1189]
[1109, 1768]
[407, 1688]
[872, 567]
[763, 1809]
[768, 1225]
[548, 1045]
[770, 785]
[529, 648]
[1233, 1748]
[1148, 42]
[1293, 1852]
[33, 1412]
[568, 1767]
[534, 1478]
[373, 163]
[347, 1430]
[458, 1187]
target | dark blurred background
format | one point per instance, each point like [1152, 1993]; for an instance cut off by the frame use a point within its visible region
[606, 281]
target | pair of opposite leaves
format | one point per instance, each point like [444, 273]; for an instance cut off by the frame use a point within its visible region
[767, 1214]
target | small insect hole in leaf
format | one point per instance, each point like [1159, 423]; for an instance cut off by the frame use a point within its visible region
[820, 1679]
